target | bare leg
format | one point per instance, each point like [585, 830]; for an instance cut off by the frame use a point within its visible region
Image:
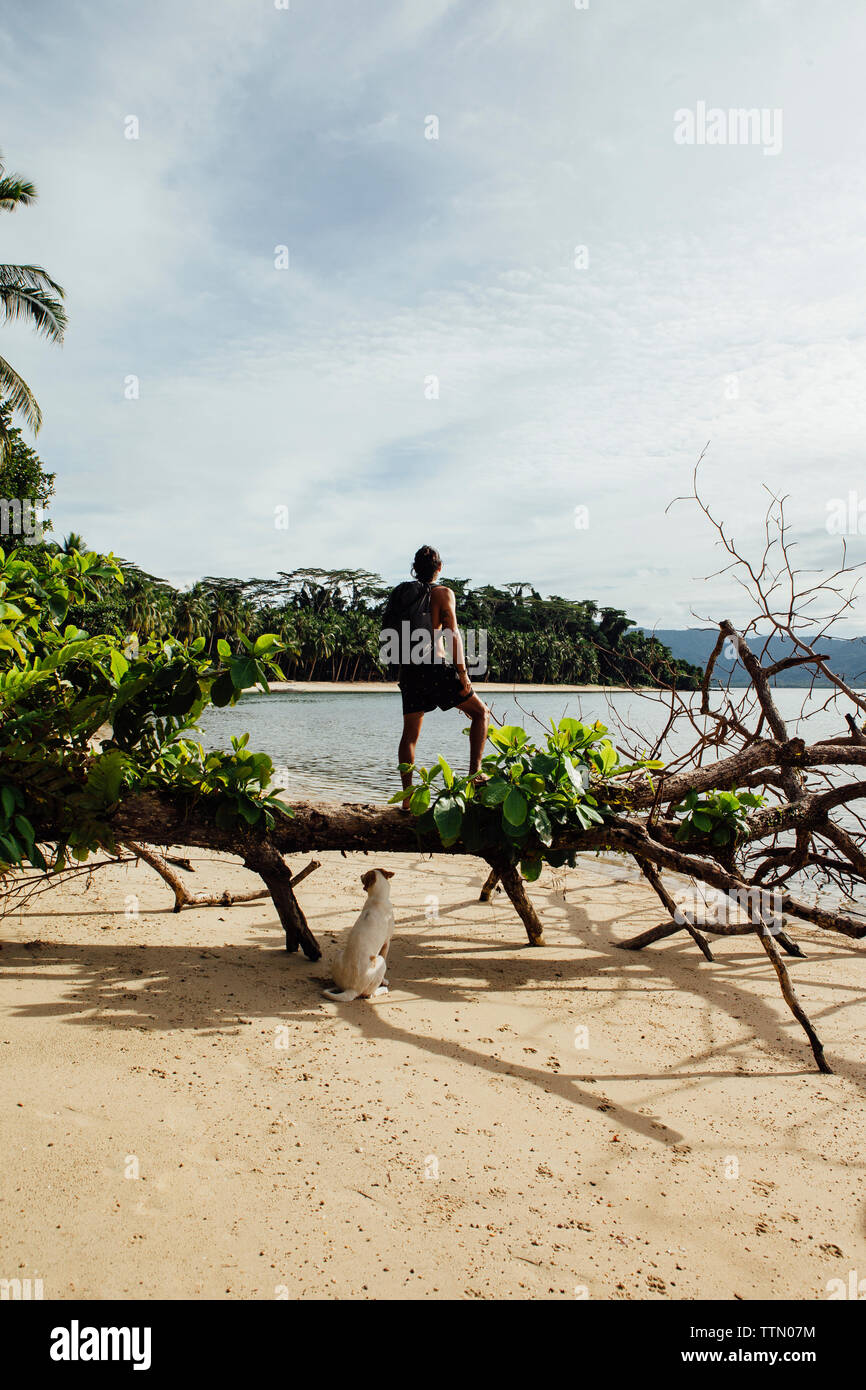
[479, 721]
[406, 752]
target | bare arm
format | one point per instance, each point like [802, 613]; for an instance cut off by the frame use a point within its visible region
[448, 620]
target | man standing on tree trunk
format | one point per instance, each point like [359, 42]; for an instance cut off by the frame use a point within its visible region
[423, 615]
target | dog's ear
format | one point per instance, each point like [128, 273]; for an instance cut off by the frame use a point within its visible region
[387, 873]
[368, 879]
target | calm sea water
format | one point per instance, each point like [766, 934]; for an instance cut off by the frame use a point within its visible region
[344, 746]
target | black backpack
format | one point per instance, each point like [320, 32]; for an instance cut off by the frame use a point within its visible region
[408, 603]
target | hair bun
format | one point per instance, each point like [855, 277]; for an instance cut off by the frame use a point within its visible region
[427, 562]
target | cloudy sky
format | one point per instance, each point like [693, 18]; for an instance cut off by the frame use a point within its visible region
[439, 362]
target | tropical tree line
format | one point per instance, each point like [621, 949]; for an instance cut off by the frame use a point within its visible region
[328, 623]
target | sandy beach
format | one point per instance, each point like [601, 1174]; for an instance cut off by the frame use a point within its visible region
[185, 1116]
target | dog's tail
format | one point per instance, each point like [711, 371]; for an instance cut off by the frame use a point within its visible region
[344, 996]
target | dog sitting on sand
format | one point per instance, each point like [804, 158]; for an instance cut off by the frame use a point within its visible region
[359, 970]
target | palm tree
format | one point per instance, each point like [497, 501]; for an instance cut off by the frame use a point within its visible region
[191, 613]
[73, 542]
[26, 292]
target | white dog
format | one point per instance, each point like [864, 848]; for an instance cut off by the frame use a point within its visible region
[360, 968]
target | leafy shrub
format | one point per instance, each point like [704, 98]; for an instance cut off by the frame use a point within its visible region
[530, 796]
[719, 817]
[60, 686]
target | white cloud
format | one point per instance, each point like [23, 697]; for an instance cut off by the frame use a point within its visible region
[453, 258]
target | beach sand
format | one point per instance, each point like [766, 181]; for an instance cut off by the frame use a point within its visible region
[448, 1141]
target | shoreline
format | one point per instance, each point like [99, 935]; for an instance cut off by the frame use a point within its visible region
[488, 687]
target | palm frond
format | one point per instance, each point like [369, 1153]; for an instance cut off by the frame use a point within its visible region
[32, 277]
[27, 292]
[18, 395]
[15, 192]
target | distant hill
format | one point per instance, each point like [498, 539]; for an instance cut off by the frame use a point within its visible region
[847, 658]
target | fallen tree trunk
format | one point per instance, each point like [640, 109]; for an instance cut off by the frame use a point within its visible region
[159, 820]
[155, 820]
[356, 827]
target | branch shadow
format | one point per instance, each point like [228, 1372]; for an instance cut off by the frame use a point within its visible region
[206, 990]
[677, 961]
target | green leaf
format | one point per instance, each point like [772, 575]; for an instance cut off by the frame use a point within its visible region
[12, 851]
[514, 807]
[587, 815]
[105, 778]
[448, 817]
[11, 643]
[575, 731]
[750, 799]
[226, 816]
[574, 776]
[494, 792]
[545, 764]
[244, 672]
[184, 695]
[119, 665]
[607, 758]
[420, 801]
[532, 784]
[541, 824]
[222, 690]
[509, 737]
[37, 858]
[23, 826]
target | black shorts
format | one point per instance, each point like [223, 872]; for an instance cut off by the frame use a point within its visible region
[431, 685]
